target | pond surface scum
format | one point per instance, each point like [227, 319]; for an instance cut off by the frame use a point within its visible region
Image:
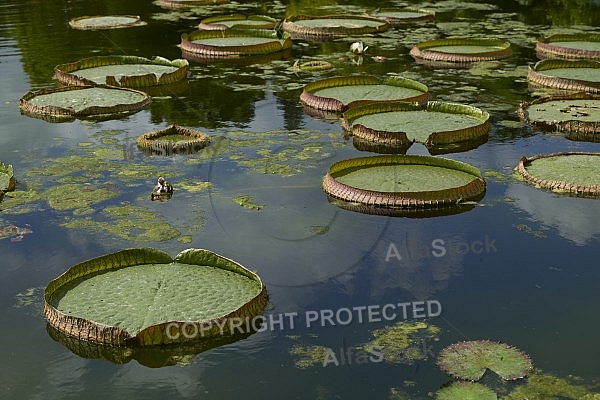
[254, 194]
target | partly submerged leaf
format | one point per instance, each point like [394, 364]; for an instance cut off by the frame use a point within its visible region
[7, 179]
[469, 360]
[466, 391]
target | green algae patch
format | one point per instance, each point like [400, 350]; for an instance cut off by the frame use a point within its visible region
[75, 196]
[548, 387]
[568, 172]
[470, 360]
[129, 222]
[145, 297]
[247, 202]
[309, 356]
[193, 186]
[465, 391]
[403, 341]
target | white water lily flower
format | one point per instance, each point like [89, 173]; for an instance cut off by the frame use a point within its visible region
[358, 48]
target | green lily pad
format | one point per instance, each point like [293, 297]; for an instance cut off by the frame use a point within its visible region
[578, 75]
[122, 71]
[435, 124]
[470, 360]
[233, 43]
[187, 4]
[568, 172]
[466, 391]
[174, 139]
[337, 94]
[577, 115]
[403, 16]
[574, 46]
[106, 22]
[237, 21]
[71, 102]
[460, 50]
[327, 27]
[548, 387]
[403, 182]
[145, 297]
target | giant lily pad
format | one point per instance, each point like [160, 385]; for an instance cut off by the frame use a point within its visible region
[577, 115]
[569, 172]
[122, 71]
[337, 94]
[145, 297]
[578, 75]
[461, 51]
[469, 360]
[186, 4]
[233, 42]
[403, 16]
[237, 21]
[327, 27]
[465, 391]
[574, 46]
[405, 182]
[174, 139]
[106, 22]
[438, 125]
[71, 102]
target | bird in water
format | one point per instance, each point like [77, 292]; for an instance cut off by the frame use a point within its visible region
[161, 190]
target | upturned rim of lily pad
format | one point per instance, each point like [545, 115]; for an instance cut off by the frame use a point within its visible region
[399, 200]
[151, 141]
[241, 22]
[395, 20]
[80, 22]
[469, 360]
[499, 49]
[297, 31]
[559, 186]
[67, 73]
[330, 104]
[438, 142]
[546, 47]
[275, 45]
[576, 129]
[536, 75]
[167, 332]
[54, 113]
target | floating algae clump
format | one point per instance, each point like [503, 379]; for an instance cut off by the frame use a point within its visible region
[74, 196]
[309, 356]
[548, 387]
[404, 341]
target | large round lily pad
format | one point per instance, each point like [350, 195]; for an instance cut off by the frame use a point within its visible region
[174, 139]
[438, 125]
[568, 172]
[233, 42]
[327, 27]
[578, 75]
[462, 390]
[574, 46]
[403, 16]
[71, 102]
[577, 115]
[106, 22]
[122, 71]
[337, 94]
[237, 21]
[469, 360]
[461, 50]
[403, 182]
[145, 297]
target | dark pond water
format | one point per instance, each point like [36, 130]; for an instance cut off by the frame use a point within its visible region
[534, 285]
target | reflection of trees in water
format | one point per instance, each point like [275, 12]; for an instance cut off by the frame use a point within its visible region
[558, 12]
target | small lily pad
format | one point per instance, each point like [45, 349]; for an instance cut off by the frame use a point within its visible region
[106, 22]
[575, 173]
[469, 360]
[466, 391]
[174, 139]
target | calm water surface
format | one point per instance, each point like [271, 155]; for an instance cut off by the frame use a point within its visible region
[535, 285]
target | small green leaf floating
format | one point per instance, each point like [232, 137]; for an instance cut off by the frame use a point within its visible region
[469, 360]
[465, 391]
